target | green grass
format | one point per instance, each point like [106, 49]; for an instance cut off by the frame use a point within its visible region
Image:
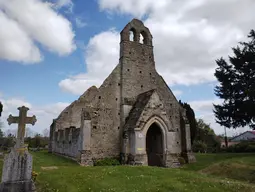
[205, 160]
[201, 176]
[233, 166]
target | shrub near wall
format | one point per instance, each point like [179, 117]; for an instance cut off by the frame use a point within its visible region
[243, 147]
[106, 162]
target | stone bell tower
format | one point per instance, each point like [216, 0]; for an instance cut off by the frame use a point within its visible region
[136, 61]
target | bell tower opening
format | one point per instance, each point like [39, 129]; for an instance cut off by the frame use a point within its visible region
[132, 35]
[154, 146]
[143, 38]
[137, 32]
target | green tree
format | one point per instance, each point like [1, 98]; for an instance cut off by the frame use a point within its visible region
[205, 134]
[8, 141]
[192, 120]
[37, 140]
[1, 108]
[237, 86]
[1, 132]
[199, 146]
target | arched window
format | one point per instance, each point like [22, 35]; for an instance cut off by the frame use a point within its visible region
[132, 35]
[143, 38]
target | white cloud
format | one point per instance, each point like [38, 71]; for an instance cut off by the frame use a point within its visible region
[204, 110]
[101, 56]
[204, 106]
[15, 43]
[29, 21]
[133, 7]
[189, 35]
[79, 22]
[177, 92]
[44, 114]
[64, 3]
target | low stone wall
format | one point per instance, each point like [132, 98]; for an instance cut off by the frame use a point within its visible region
[67, 146]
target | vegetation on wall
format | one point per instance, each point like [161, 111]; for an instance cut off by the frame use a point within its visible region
[192, 120]
[106, 162]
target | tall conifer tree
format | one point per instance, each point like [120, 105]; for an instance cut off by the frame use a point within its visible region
[237, 86]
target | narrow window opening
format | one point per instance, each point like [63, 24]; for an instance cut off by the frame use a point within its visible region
[99, 97]
[132, 35]
[140, 71]
[116, 99]
[141, 86]
[127, 69]
[141, 39]
[118, 84]
[94, 127]
[118, 127]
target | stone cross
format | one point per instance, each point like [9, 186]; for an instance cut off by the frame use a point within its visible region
[21, 120]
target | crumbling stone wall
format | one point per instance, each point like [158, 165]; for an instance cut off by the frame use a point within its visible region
[109, 106]
[139, 75]
[65, 145]
[105, 118]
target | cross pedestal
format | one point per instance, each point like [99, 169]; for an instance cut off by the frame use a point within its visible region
[17, 168]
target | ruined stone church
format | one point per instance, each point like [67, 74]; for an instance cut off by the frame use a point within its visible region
[132, 116]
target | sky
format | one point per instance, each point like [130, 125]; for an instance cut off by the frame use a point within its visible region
[53, 50]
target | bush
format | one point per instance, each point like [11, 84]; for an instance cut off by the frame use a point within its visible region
[243, 147]
[181, 160]
[199, 146]
[106, 162]
[34, 175]
[250, 148]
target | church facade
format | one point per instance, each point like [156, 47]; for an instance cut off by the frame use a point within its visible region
[132, 116]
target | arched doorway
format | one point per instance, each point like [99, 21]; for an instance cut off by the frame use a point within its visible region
[154, 145]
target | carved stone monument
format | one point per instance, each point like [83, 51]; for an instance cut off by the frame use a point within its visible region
[17, 168]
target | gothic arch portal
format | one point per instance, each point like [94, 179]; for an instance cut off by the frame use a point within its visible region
[155, 131]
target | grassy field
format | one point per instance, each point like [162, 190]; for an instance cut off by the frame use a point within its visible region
[212, 173]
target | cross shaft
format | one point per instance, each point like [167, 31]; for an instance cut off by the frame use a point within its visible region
[21, 120]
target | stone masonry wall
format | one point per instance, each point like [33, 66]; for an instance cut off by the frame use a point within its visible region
[105, 118]
[67, 146]
[139, 75]
[134, 74]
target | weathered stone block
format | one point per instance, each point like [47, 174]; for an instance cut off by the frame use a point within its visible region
[86, 158]
[172, 160]
[17, 166]
[189, 157]
[138, 159]
[18, 186]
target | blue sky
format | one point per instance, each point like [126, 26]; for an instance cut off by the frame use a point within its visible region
[54, 50]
